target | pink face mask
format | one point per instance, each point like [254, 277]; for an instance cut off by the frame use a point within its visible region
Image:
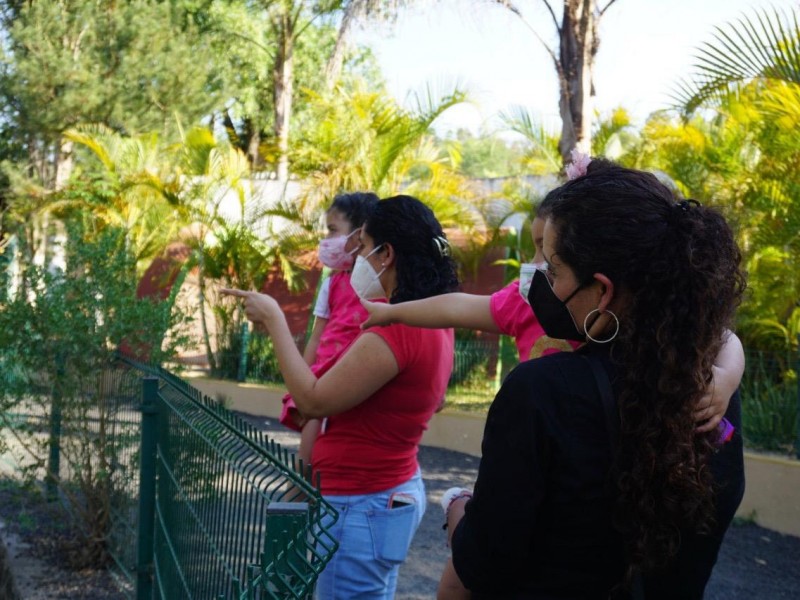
[333, 255]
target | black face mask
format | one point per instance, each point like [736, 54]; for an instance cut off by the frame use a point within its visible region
[553, 314]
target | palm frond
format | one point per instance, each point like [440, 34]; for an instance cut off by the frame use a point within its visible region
[763, 46]
[544, 156]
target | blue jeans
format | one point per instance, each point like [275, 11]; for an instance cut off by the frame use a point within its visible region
[373, 542]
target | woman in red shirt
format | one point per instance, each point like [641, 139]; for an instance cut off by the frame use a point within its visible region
[378, 398]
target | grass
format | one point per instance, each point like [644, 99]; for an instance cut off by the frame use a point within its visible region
[467, 400]
[474, 389]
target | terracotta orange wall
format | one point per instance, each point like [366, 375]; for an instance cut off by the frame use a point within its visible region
[296, 306]
[487, 279]
[158, 280]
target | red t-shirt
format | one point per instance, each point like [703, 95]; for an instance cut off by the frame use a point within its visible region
[514, 317]
[373, 447]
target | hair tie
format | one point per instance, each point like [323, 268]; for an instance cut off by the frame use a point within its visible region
[674, 217]
[578, 165]
[442, 245]
[685, 205]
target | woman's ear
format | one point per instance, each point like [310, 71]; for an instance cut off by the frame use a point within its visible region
[606, 292]
[388, 259]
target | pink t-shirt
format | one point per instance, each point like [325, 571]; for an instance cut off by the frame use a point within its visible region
[343, 327]
[344, 322]
[373, 446]
[514, 317]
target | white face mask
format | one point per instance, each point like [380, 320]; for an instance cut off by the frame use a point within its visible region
[526, 272]
[365, 281]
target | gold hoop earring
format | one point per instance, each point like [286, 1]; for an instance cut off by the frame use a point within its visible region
[586, 329]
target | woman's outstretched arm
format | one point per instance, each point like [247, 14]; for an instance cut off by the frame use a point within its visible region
[465, 311]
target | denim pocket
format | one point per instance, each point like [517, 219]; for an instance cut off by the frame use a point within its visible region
[392, 530]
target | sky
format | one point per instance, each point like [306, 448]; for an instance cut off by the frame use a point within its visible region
[646, 47]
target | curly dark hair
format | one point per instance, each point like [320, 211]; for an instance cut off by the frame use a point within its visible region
[355, 206]
[677, 267]
[545, 206]
[424, 266]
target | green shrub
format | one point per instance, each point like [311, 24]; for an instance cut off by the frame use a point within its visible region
[769, 403]
[59, 333]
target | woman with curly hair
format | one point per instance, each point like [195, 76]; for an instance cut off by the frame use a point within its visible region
[378, 398]
[594, 482]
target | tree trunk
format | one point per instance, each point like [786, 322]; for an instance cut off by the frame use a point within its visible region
[578, 47]
[64, 164]
[233, 134]
[334, 66]
[282, 86]
[201, 285]
[254, 146]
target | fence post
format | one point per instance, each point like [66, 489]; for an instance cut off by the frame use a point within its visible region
[507, 359]
[285, 547]
[147, 489]
[242, 374]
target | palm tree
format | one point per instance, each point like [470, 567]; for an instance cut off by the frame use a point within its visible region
[364, 140]
[750, 76]
[543, 156]
[764, 48]
[141, 192]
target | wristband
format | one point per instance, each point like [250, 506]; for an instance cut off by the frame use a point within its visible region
[450, 496]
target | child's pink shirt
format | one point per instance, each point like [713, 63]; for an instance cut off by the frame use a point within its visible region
[344, 320]
[514, 317]
[343, 326]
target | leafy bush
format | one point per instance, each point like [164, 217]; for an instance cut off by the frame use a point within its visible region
[58, 336]
[769, 403]
[261, 364]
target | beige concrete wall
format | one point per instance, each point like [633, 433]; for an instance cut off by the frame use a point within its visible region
[245, 397]
[462, 432]
[772, 495]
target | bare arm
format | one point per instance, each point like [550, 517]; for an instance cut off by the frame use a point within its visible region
[466, 311]
[727, 374]
[450, 586]
[337, 390]
[307, 438]
[310, 352]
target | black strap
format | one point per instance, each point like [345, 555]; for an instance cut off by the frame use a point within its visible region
[612, 425]
[609, 403]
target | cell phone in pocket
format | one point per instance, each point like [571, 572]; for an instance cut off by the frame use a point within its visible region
[401, 499]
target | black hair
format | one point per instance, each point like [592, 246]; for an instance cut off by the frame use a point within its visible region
[423, 263]
[676, 267]
[355, 206]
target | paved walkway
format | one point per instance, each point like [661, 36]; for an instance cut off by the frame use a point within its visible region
[754, 564]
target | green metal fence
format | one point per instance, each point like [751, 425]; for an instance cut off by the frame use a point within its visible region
[200, 504]
[253, 360]
[223, 512]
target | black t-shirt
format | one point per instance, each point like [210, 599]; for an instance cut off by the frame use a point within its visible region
[539, 525]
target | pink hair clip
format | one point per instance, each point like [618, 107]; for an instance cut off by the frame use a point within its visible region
[580, 162]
